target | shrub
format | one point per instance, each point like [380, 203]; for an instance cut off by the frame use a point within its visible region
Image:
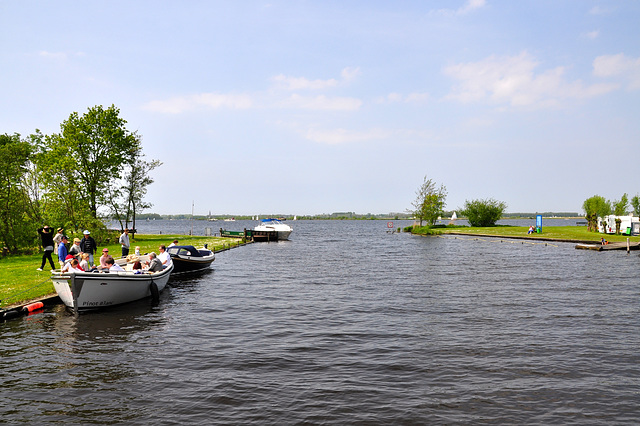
[483, 212]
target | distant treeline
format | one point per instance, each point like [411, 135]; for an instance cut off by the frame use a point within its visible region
[544, 214]
[336, 216]
[339, 216]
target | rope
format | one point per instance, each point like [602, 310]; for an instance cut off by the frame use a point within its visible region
[29, 289]
[496, 240]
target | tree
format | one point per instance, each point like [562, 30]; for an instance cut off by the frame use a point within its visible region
[429, 203]
[620, 206]
[483, 212]
[635, 203]
[595, 207]
[91, 153]
[16, 228]
[129, 200]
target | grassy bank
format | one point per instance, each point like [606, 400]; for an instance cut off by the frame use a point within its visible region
[20, 282]
[562, 233]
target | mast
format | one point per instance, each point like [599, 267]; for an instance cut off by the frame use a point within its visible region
[192, 204]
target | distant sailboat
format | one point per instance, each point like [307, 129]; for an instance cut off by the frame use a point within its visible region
[454, 216]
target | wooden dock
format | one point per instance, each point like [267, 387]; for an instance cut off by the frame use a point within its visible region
[250, 234]
[610, 246]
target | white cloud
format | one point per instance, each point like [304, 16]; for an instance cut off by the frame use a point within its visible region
[321, 103]
[284, 82]
[416, 97]
[301, 83]
[618, 65]
[341, 136]
[513, 80]
[468, 7]
[182, 104]
[471, 5]
[59, 56]
[350, 73]
[597, 10]
[591, 35]
[52, 55]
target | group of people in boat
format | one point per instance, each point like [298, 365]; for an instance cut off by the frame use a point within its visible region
[79, 257]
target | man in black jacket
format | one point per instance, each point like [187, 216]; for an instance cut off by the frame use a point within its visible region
[46, 234]
[88, 245]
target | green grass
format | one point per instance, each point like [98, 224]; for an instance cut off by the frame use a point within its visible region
[20, 282]
[569, 233]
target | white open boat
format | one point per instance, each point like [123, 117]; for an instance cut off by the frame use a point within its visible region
[282, 230]
[92, 290]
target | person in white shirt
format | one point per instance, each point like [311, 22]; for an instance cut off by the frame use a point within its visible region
[124, 242]
[164, 256]
[112, 265]
[174, 243]
[72, 266]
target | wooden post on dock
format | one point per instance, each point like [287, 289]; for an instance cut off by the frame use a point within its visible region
[628, 248]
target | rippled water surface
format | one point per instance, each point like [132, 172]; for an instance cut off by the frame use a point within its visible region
[345, 324]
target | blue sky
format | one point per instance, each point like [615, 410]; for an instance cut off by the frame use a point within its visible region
[309, 107]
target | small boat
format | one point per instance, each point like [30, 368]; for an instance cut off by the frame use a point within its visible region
[81, 291]
[281, 230]
[190, 259]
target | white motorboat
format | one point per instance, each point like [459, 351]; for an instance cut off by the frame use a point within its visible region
[281, 230]
[93, 290]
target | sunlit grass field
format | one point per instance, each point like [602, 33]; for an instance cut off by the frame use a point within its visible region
[20, 282]
[563, 233]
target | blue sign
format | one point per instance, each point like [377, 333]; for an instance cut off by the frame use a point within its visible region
[539, 221]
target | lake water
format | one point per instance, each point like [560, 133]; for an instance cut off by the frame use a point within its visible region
[347, 324]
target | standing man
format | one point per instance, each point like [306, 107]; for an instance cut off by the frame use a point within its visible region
[62, 250]
[88, 245]
[124, 242]
[46, 234]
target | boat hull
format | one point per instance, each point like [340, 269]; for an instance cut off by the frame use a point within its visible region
[85, 290]
[186, 264]
[187, 259]
[280, 230]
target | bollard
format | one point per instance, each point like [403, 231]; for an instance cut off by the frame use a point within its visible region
[628, 248]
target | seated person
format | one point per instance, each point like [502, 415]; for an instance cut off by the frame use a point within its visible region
[75, 248]
[164, 256]
[112, 265]
[105, 254]
[72, 266]
[154, 263]
[84, 262]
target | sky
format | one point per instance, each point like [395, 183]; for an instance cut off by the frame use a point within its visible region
[312, 107]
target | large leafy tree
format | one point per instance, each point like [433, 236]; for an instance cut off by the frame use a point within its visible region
[483, 212]
[16, 227]
[129, 200]
[635, 204]
[430, 202]
[594, 207]
[88, 156]
[620, 206]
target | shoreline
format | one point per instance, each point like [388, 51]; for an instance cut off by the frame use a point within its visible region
[521, 237]
[24, 263]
